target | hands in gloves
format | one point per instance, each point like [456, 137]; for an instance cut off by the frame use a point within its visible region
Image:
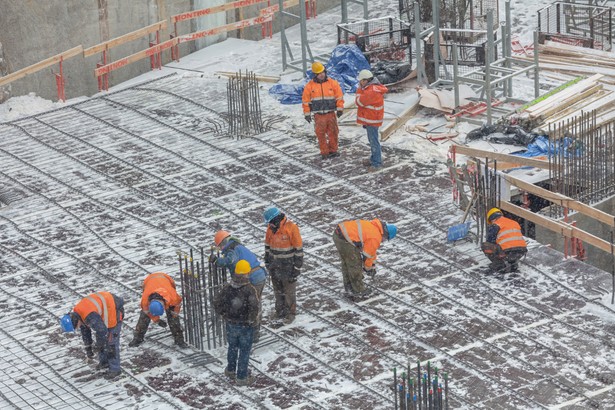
[308, 118]
[162, 323]
[371, 272]
[339, 113]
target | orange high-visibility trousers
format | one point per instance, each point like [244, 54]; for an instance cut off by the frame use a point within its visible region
[325, 125]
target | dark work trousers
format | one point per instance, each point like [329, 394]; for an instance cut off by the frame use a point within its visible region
[239, 339]
[326, 129]
[172, 320]
[111, 355]
[352, 265]
[285, 294]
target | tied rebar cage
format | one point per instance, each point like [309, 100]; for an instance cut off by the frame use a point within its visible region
[201, 282]
[244, 105]
[456, 14]
[583, 25]
[582, 160]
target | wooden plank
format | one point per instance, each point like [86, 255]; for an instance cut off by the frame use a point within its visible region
[189, 15]
[142, 32]
[394, 125]
[562, 200]
[561, 104]
[40, 65]
[135, 57]
[566, 93]
[221, 29]
[562, 228]
[479, 153]
[264, 78]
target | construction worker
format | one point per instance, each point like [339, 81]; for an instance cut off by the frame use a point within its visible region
[159, 296]
[504, 245]
[284, 259]
[357, 242]
[239, 306]
[370, 112]
[232, 251]
[102, 312]
[323, 97]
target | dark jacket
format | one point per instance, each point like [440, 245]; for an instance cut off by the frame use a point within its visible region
[238, 303]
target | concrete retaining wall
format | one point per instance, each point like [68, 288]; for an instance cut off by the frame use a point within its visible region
[595, 257]
[33, 30]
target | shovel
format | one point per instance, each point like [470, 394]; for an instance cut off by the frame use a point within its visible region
[457, 232]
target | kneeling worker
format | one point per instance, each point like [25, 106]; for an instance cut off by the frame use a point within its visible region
[504, 245]
[159, 296]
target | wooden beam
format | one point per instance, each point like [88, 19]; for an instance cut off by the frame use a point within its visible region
[562, 200]
[562, 228]
[40, 65]
[222, 29]
[264, 78]
[211, 10]
[394, 125]
[135, 57]
[134, 35]
[479, 153]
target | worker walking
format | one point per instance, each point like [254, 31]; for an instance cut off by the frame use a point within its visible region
[357, 242]
[504, 245]
[159, 296]
[370, 113]
[284, 259]
[239, 306]
[102, 312]
[323, 97]
[232, 251]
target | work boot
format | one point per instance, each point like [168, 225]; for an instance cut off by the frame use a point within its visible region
[289, 319]
[334, 154]
[230, 374]
[181, 344]
[324, 156]
[372, 169]
[135, 342]
[367, 162]
[112, 374]
[245, 382]
[102, 366]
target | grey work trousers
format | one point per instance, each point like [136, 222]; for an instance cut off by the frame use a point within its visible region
[352, 265]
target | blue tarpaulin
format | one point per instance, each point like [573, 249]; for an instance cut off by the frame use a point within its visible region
[344, 65]
[540, 146]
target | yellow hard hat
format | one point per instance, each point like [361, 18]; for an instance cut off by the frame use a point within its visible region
[317, 67]
[492, 213]
[242, 267]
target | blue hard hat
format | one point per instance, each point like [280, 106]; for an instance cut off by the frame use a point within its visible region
[270, 213]
[156, 308]
[66, 322]
[392, 230]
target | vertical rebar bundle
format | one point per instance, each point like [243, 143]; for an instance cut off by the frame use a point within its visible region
[426, 393]
[203, 327]
[244, 105]
[582, 160]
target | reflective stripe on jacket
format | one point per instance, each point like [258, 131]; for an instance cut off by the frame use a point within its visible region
[370, 103]
[321, 98]
[101, 303]
[509, 235]
[284, 247]
[164, 285]
[365, 235]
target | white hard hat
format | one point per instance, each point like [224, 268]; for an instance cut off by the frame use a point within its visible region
[365, 75]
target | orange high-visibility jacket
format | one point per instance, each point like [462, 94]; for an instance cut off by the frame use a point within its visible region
[285, 246]
[101, 303]
[370, 104]
[366, 235]
[164, 285]
[509, 235]
[321, 98]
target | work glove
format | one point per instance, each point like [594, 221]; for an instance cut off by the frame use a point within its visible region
[339, 113]
[89, 352]
[162, 323]
[308, 118]
[371, 272]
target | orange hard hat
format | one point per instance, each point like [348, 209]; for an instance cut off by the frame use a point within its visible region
[220, 236]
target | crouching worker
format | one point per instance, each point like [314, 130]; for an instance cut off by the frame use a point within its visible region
[504, 244]
[102, 312]
[239, 306]
[159, 296]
